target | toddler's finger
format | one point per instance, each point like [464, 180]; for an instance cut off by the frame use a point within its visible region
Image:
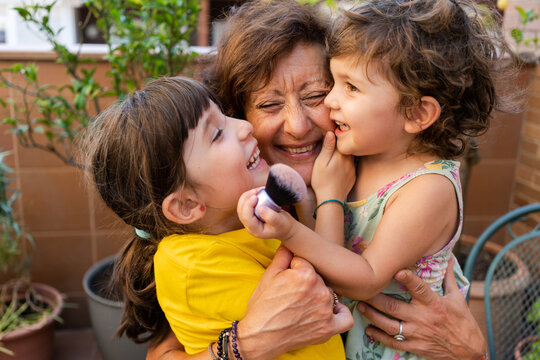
[274, 219]
[327, 151]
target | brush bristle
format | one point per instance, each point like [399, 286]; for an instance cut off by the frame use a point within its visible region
[285, 185]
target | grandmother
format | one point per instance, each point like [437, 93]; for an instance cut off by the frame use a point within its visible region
[271, 69]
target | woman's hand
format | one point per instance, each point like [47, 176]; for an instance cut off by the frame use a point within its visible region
[333, 174]
[435, 327]
[290, 309]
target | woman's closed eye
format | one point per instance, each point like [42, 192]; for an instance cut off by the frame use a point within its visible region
[268, 106]
[314, 99]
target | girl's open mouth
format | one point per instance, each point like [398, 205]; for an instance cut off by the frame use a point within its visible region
[254, 160]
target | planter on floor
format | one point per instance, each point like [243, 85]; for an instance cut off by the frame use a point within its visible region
[105, 315]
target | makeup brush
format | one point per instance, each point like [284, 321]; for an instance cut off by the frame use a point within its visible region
[284, 187]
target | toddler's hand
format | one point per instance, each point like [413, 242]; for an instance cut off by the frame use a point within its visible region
[277, 225]
[333, 173]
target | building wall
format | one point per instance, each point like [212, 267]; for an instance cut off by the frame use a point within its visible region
[527, 177]
[71, 228]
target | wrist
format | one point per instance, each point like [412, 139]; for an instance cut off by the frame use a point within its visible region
[329, 202]
[252, 344]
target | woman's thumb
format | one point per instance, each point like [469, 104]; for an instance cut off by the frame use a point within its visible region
[281, 262]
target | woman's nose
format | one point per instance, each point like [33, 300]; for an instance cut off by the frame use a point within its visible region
[297, 121]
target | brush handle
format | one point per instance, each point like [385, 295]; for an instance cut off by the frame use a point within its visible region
[266, 200]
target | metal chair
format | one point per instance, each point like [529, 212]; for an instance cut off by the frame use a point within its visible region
[512, 284]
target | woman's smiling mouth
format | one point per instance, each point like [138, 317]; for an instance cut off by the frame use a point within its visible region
[299, 150]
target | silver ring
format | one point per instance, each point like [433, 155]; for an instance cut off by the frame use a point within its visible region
[400, 337]
[336, 300]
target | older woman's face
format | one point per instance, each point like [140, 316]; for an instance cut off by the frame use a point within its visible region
[288, 115]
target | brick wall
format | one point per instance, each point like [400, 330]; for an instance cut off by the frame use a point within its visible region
[72, 229]
[527, 178]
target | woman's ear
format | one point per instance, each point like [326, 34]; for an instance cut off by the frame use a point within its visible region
[423, 116]
[183, 207]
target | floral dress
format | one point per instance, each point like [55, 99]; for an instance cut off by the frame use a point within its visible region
[361, 220]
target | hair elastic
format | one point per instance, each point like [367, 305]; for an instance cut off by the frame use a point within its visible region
[326, 202]
[142, 234]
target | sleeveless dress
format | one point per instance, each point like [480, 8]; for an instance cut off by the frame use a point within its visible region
[361, 220]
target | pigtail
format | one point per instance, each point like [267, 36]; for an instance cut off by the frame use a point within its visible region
[133, 277]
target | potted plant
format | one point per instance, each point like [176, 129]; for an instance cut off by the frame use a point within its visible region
[143, 40]
[27, 310]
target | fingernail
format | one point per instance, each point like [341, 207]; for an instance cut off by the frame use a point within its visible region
[400, 276]
[361, 307]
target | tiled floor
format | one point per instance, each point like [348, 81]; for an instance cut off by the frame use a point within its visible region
[76, 344]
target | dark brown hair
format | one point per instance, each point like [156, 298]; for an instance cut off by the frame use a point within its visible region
[134, 156]
[259, 34]
[448, 49]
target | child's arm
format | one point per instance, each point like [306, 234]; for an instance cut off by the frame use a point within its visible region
[304, 209]
[332, 179]
[418, 220]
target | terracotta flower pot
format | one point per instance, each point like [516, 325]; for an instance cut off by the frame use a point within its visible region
[35, 342]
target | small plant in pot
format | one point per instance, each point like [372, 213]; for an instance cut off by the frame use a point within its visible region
[27, 309]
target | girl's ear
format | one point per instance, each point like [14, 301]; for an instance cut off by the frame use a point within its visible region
[423, 116]
[183, 207]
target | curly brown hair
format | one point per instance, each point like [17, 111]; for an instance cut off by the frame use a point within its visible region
[133, 152]
[451, 50]
[259, 34]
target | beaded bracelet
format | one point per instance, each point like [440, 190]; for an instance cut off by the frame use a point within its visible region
[223, 345]
[234, 337]
[326, 202]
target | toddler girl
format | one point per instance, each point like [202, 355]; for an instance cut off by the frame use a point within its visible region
[412, 80]
[169, 163]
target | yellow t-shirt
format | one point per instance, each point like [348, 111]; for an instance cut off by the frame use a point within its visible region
[204, 282]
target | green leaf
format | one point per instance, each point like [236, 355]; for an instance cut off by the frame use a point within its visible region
[25, 14]
[517, 34]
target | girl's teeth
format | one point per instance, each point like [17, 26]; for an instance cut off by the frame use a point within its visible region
[254, 160]
[299, 150]
[342, 126]
[255, 164]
